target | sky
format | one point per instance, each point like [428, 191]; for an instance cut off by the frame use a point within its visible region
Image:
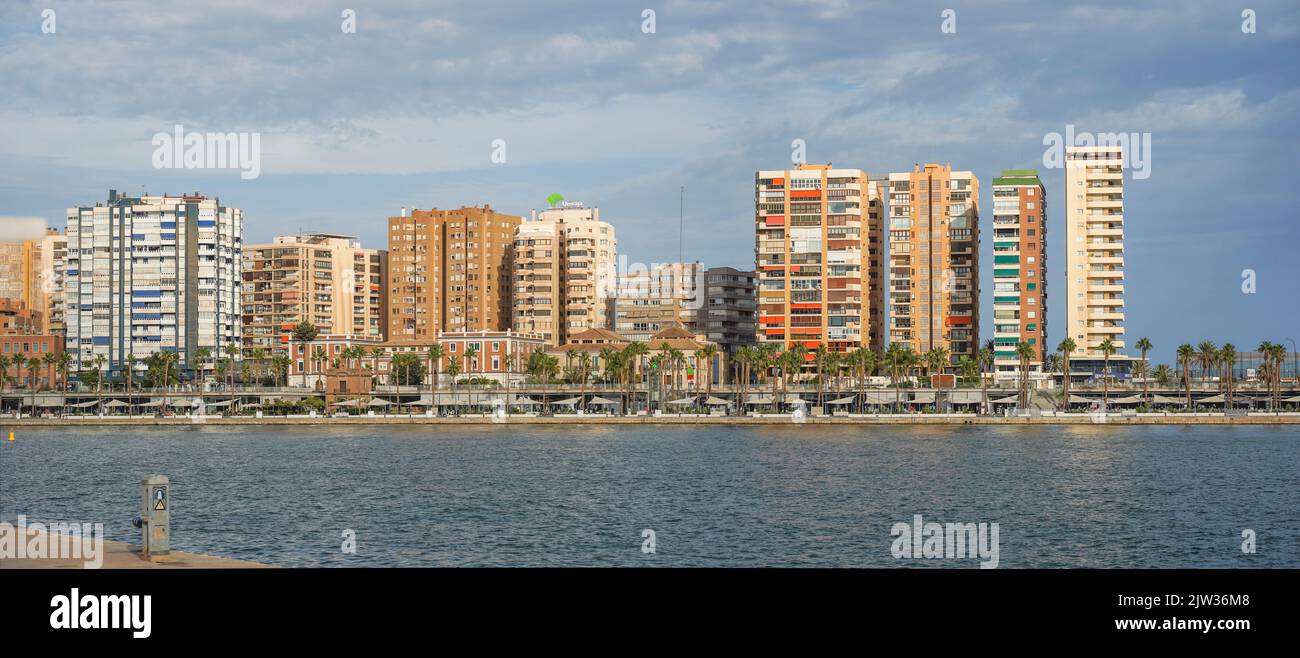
[407, 110]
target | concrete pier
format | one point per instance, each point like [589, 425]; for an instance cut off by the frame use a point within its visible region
[120, 555]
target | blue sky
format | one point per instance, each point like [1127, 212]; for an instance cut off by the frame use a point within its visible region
[404, 112]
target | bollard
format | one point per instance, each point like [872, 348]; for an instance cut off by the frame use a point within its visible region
[155, 515]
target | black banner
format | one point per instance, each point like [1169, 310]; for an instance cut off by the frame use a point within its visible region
[354, 605]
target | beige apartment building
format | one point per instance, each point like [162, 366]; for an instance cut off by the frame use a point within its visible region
[667, 294]
[449, 271]
[565, 276]
[934, 260]
[32, 271]
[328, 280]
[1094, 234]
[818, 264]
[1019, 271]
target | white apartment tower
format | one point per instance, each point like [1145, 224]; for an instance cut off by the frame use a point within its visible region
[1094, 231]
[150, 274]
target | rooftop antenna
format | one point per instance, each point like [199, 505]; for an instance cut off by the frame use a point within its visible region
[681, 224]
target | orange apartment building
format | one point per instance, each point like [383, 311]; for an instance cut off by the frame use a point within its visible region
[818, 254]
[449, 271]
[934, 260]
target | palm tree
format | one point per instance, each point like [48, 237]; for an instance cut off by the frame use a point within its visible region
[550, 366]
[64, 361]
[1187, 354]
[1026, 353]
[318, 359]
[821, 359]
[1163, 374]
[435, 363]
[704, 361]
[584, 371]
[232, 352]
[168, 359]
[1279, 355]
[129, 364]
[1053, 363]
[986, 359]
[471, 357]
[201, 356]
[1207, 355]
[303, 334]
[280, 367]
[1107, 348]
[1144, 345]
[900, 359]
[33, 365]
[48, 361]
[935, 361]
[968, 367]
[1228, 357]
[1066, 347]
[99, 379]
[1265, 350]
[453, 369]
[258, 355]
[5, 364]
[634, 352]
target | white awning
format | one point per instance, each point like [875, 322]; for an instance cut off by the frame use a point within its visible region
[759, 400]
[1161, 399]
[379, 402]
[597, 400]
[922, 397]
[847, 400]
[217, 405]
[1213, 399]
[880, 397]
[966, 397]
[1132, 399]
[1010, 399]
[114, 404]
[716, 402]
[1079, 399]
[567, 401]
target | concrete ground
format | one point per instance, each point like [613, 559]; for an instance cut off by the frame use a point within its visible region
[120, 555]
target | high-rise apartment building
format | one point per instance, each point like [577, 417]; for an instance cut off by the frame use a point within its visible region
[328, 280]
[149, 274]
[449, 270]
[565, 272]
[729, 316]
[1094, 261]
[1019, 270]
[31, 270]
[668, 294]
[814, 257]
[934, 260]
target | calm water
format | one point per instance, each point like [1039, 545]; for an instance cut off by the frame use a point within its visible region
[716, 496]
